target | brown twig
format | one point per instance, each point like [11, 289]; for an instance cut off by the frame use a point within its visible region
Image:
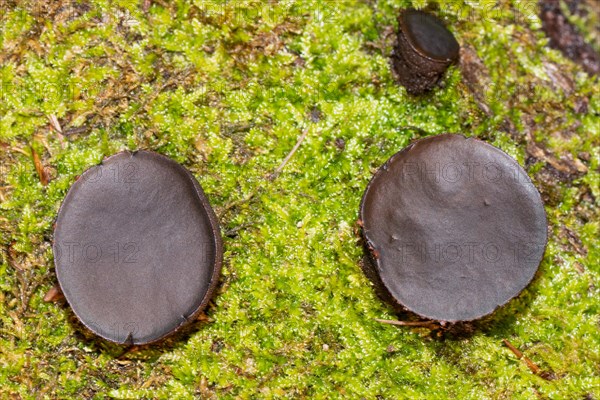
[421, 324]
[530, 364]
[270, 177]
[240, 201]
[277, 171]
[55, 124]
[39, 167]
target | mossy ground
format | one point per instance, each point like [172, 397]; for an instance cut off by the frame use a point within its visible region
[227, 89]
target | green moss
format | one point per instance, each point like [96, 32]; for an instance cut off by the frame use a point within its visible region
[227, 88]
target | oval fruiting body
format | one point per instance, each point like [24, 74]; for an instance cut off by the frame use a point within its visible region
[137, 247]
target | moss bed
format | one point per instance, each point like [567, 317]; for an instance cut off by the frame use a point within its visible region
[228, 89]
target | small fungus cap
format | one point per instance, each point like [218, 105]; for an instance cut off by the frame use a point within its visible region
[137, 247]
[428, 36]
[454, 228]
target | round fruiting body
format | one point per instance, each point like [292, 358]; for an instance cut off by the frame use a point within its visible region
[453, 228]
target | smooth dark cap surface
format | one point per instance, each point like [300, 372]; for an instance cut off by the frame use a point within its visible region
[428, 35]
[137, 247]
[454, 228]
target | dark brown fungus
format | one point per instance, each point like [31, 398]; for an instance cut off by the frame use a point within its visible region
[137, 248]
[423, 52]
[453, 229]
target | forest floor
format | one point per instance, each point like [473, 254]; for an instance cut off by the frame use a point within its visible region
[228, 89]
